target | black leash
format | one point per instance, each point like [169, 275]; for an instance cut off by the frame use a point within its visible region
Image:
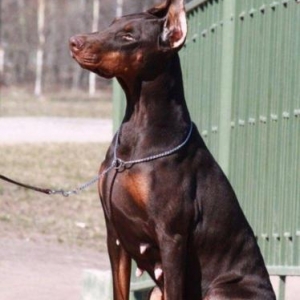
[30, 187]
[65, 193]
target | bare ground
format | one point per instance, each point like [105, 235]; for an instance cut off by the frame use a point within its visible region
[36, 270]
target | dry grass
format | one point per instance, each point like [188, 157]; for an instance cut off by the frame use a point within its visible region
[77, 220]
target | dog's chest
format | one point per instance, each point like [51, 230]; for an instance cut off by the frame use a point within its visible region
[133, 188]
[126, 197]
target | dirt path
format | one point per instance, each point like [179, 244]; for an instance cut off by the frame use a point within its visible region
[51, 129]
[40, 271]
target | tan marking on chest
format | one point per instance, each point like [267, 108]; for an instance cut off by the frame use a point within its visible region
[138, 188]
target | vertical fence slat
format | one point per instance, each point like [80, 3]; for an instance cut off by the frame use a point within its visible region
[226, 83]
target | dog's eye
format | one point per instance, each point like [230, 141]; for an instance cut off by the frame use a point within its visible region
[128, 37]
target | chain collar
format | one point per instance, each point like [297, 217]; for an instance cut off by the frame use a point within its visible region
[121, 164]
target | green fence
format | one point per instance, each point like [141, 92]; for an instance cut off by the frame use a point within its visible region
[241, 67]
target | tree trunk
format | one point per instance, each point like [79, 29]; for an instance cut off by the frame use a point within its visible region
[40, 50]
[119, 10]
[1, 53]
[92, 76]
[23, 52]
[1, 64]
[76, 70]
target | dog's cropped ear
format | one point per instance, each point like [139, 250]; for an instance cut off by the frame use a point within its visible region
[160, 11]
[175, 26]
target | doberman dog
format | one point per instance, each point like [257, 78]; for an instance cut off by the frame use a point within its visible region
[166, 202]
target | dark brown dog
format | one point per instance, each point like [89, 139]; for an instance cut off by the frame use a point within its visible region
[175, 214]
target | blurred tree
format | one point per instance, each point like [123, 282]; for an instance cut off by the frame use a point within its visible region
[37, 54]
[95, 25]
[119, 10]
[40, 48]
[1, 51]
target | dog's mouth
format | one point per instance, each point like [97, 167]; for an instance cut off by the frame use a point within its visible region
[91, 62]
[85, 58]
[86, 61]
[81, 54]
[89, 56]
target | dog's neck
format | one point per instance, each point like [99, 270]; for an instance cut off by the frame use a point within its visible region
[156, 112]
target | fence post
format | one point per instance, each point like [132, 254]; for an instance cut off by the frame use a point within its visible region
[282, 281]
[226, 83]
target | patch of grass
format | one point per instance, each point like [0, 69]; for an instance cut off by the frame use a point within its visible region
[19, 102]
[76, 220]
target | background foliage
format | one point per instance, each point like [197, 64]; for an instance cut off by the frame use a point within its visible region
[63, 18]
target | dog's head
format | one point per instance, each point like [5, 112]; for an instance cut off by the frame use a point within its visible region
[133, 45]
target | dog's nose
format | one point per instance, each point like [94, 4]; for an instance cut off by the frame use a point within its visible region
[76, 43]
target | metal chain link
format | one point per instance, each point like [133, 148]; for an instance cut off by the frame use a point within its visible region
[152, 157]
[84, 186]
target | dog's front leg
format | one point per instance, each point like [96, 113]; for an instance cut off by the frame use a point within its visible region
[121, 266]
[173, 254]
